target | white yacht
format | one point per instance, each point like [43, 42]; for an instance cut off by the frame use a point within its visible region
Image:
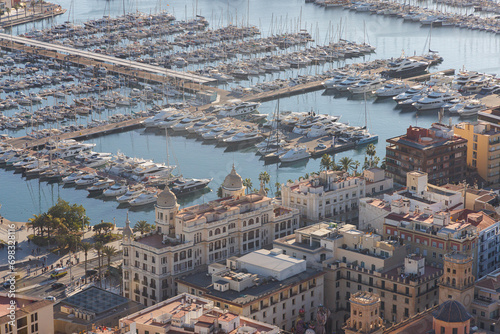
[116, 190]
[404, 67]
[86, 180]
[144, 199]
[100, 186]
[330, 83]
[171, 120]
[186, 122]
[366, 85]
[73, 177]
[132, 193]
[185, 186]
[296, 153]
[471, 108]
[464, 77]
[392, 88]
[434, 100]
[238, 108]
[241, 137]
[212, 134]
[409, 93]
[344, 85]
[156, 120]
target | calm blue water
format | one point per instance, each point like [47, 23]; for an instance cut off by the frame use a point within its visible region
[473, 49]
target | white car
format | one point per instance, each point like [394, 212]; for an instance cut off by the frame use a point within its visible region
[51, 298]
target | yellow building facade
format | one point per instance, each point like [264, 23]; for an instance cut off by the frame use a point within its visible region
[483, 148]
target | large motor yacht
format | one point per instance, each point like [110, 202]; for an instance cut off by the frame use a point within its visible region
[185, 186]
[296, 153]
[405, 67]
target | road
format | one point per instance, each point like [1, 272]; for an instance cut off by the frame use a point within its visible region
[41, 285]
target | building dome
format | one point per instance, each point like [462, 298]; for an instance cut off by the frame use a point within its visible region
[166, 199]
[452, 311]
[233, 181]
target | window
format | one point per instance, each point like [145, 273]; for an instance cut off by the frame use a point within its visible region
[454, 331]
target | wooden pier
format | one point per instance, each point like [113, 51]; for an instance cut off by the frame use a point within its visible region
[36, 143]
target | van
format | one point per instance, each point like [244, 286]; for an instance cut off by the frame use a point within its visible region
[58, 273]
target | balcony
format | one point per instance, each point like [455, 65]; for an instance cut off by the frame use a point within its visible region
[254, 310]
[145, 294]
[136, 280]
[153, 297]
[137, 291]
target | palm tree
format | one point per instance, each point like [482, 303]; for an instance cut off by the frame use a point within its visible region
[289, 181]
[73, 242]
[109, 251]
[86, 246]
[248, 184]
[383, 165]
[142, 226]
[326, 162]
[278, 189]
[264, 177]
[371, 152]
[346, 163]
[98, 246]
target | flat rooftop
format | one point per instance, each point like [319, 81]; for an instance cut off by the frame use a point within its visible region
[202, 281]
[429, 272]
[219, 206]
[176, 309]
[265, 258]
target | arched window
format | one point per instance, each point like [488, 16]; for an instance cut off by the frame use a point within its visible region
[210, 233]
[453, 282]
[244, 223]
[250, 221]
[257, 220]
[224, 229]
[217, 231]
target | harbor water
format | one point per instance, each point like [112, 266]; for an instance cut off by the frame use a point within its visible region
[472, 49]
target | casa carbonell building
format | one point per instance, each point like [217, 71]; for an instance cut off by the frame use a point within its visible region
[188, 239]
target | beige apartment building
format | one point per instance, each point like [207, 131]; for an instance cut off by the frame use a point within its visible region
[188, 314]
[485, 307]
[188, 239]
[483, 148]
[333, 194]
[32, 315]
[357, 261]
[264, 285]
[432, 235]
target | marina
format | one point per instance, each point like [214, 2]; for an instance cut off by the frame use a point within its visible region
[302, 84]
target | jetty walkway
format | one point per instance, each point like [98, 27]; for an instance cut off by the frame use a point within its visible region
[62, 52]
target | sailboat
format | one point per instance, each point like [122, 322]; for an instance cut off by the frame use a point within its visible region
[363, 137]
